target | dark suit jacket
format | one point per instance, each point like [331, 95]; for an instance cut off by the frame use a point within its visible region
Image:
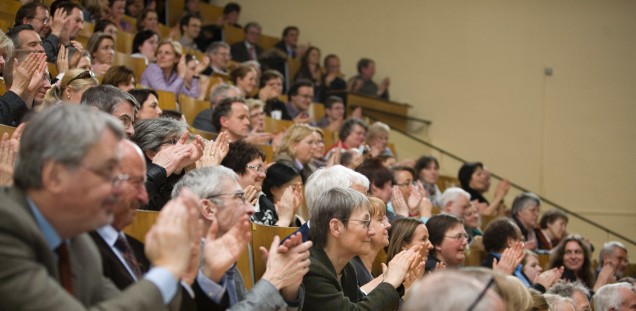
[325, 292]
[114, 269]
[283, 47]
[240, 54]
[29, 272]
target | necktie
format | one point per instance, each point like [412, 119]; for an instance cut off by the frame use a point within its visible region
[231, 286]
[252, 52]
[64, 266]
[124, 248]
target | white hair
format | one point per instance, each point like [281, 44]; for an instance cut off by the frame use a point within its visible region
[451, 194]
[325, 179]
[609, 296]
[555, 301]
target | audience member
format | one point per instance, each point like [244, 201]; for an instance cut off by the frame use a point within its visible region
[35, 14]
[290, 41]
[115, 12]
[244, 77]
[70, 88]
[145, 45]
[333, 83]
[169, 72]
[406, 190]
[102, 49]
[108, 27]
[471, 224]
[310, 70]
[450, 291]
[551, 229]
[380, 182]
[455, 201]
[575, 291]
[246, 160]
[39, 87]
[427, 171]
[318, 159]
[121, 77]
[406, 233]
[167, 153]
[46, 219]
[538, 301]
[340, 230]
[449, 240]
[475, 179]
[378, 138]
[148, 20]
[232, 116]
[300, 96]
[219, 55]
[351, 135]
[363, 82]
[613, 253]
[297, 149]
[248, 49]
[500, 235]
[559, 303]
[67, 19]
[525, 213]
[574, 254]
[257, 116]
[203, 120]
[114, 101]
[334, 114]
[190, 27]
[134, 7]
[148, 102]
[224, 214]
[282, 189]
[619, 296]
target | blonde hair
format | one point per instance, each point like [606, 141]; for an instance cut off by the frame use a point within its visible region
[177, 48]
[253, 104]
[54, 94]
[376, 129]
[376, 207]
[6, 45]
[293, 135]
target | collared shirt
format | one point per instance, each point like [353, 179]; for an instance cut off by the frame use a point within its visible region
[160, 277]
[110, 236]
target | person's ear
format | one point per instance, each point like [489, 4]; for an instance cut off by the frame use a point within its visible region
[208, 209]
[54, 176]
[68, 90]
[150, 154]
[335, 227]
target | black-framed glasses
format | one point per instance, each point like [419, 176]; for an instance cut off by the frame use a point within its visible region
[481, 294]
[115, 180]
[84, 75]
[458, 237]
[366, 223]
[240, 195]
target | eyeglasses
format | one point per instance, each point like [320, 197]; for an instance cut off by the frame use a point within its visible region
[116, 180]
[84, 75]
[236, 196]
[366, 223]
[44, 20]
[481, 295]
[258, 169]
[458, 237]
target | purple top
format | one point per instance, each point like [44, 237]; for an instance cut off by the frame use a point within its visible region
[153, 78]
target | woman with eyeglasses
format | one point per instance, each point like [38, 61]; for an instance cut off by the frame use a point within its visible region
[70, 88]
[574, 254]
[282, 189]
[409, 193]
[246, 160]
[449, 242]
[340, 230]
[380, 225]
[164, 143]
[297, 149]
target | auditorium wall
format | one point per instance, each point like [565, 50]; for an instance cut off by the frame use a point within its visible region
[477, 70]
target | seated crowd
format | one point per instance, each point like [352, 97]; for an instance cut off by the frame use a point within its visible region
[91, 147]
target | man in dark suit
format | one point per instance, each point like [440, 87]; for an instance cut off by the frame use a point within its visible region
[123, 256]
[248, 49]
[289, 42]
[67, 182]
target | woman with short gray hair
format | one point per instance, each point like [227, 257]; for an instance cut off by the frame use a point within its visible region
[164, 144]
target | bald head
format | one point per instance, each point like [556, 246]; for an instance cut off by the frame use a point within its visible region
[134, 194]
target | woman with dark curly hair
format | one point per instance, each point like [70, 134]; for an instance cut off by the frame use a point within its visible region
[246, 160]
[282, 196]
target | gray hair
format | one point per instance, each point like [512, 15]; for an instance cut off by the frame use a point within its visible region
[221, 91]
[107, 97]
[63, 134]
[524, 201]
[6, 45]
[555, 301]
[609, 249]
[448, 290]
[151, 133]
[451, 194]
[609, 296]
[567, 289]
[215, 46]
[205, 181]
[325, 179]
[338, 203]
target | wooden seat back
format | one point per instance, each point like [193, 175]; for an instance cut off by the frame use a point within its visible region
[144, 220]
[445, 182]
[167, 100]
[191, 107]
[263, 236]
